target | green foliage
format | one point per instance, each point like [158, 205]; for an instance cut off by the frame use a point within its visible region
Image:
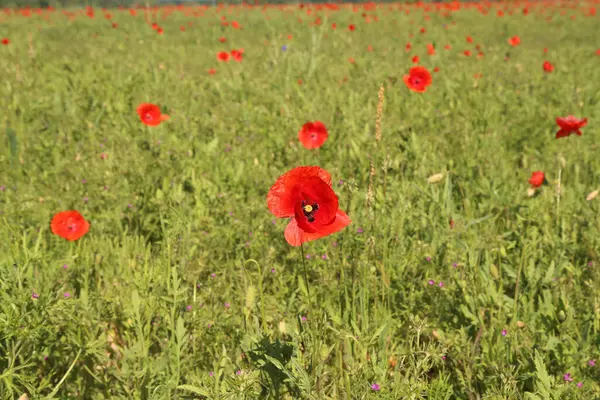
[185, 287]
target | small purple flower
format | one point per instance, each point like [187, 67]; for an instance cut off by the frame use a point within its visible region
[274, 221]
[227, 305]
[359, 230]
[238, 372]
[67, 295]
[189, 308]
[35, 295]
[341, 182]
[105, 187]
[579, 384]
[2, 188]
[65, 266]
[592, 363]
[324, 257]
[567, 377]
[375, 387]
[431, 282]
[444, 358]
[308, 256]
[45, 358]
[504, 332]
[273, 270]
[86, 199]
[213, 275]
[428, 259]
[284, 47]
[454, 265]
[211, 374]
[84, 181]
[441, 284]
[589, 264]
[303, 318]
[209, 325]
[129, 205]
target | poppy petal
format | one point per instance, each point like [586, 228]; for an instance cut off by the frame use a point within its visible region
[296, 236]
[281, 199]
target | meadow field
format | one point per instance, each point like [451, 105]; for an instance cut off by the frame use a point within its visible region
[456, 223]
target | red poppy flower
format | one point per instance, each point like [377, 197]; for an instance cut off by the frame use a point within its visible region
[423, 30]
[430, 49]
[150, 114]
[305, 195]
[352, 27]
[333, 25]
[548, 67]
[351, 60]
[545, 49]
[569, 125]
[447, 47]
[514, 41]
[223, 56]
[418, 79]
[598, 52]
[467, 53]
[69, 225]
[182, 28]
[5, 41]
[114, 25]
[235, 25]
[537, 179]
[415, 60]
[436, 69]
[237, 55]
[369, 48]
[469, 39]
[212, 71]
[408, 46]
[222, 40]
[312, 135]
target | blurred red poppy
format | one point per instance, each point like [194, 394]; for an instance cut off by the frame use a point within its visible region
[430, 49]
[352, 27]
[469, 39]
[569, 125]
[222, 40]
[467, 53]
[548, 67]
[69, 225]
[537, 179]
[5, 41]
[150, 114]
[415, 60]
[418, 79]
[223, 56]
[312, 135]
[237, 55]
[305, 195]
[514, 41]
[212, 71]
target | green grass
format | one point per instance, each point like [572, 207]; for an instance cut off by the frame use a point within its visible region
[179, 218]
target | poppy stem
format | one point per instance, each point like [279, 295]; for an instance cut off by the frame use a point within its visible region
[306, 277]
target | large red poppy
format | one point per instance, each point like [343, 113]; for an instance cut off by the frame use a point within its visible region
[223, 56]
[548, 67]
[150, 114]
[69, 225]
[5, 41]
[418, 79]
[312, 135]
[514, 41]
[569, 125]
[305, 195]
[537, 179]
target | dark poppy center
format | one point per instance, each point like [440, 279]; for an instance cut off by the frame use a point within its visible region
[313, 135]
[416, 81]
[148, 117]
[309, 210]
